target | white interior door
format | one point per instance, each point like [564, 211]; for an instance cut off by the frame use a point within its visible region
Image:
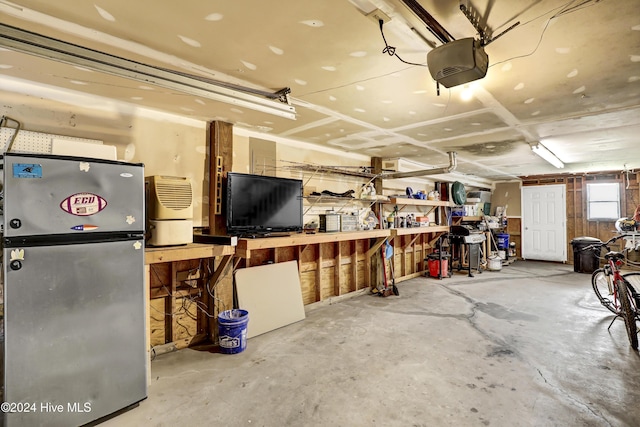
[544, 232]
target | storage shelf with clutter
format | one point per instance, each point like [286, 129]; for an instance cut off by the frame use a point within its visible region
[416, 223]
[420, 215]
[345, 212]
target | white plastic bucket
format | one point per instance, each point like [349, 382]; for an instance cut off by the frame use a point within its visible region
[494, 263]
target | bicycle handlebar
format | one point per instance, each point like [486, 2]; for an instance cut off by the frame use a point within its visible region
[605, 244]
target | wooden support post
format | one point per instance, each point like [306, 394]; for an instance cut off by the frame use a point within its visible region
[299, 251]
[337, 269]
[170, 306]
[202, 316]
[220, 157]
[413, 254]
[373, 250]
[218, 273]
[376, 168]
[354, 266]
[423, 253]
[319, 274]
[209, 303]
[403, 260]
[367, 269]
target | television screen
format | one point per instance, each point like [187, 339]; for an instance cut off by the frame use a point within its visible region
[262, 204]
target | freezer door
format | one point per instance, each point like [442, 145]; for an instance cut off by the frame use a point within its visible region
[50, 195]
[74, 331]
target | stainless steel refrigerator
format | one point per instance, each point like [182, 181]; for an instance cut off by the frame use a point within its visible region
[74, 308]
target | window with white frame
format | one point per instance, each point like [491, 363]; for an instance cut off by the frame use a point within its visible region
[603, 201]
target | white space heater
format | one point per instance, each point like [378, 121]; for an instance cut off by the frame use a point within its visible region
[169, 210]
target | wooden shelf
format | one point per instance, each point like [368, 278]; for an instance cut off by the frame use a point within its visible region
[332, 199]
[155, 255]
[418, 230]
[418, 202]
[342, 202]
[471, 218]
[245, 246]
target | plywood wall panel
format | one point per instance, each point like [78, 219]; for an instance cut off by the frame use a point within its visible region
[328, 282]
[306, 267]
[346, 279]
[156, 321]
[184, 321]
[160, 276]
[346, 248]
[507, 194]
[310, 253]
[418, 259]
[327, 250]
[308, 284]
[285, 254]
[262, 256]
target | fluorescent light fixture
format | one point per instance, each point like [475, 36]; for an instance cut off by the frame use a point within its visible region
[543, 152]
[57, 50]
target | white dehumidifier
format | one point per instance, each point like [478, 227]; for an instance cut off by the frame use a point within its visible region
[169, 210]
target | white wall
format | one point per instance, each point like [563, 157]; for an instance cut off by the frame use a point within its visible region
[167, 144]
[173, 145]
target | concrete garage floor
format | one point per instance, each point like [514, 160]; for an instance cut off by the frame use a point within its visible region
[526, 346]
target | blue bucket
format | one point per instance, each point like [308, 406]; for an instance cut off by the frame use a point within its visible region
[503, 241]
[232, 330]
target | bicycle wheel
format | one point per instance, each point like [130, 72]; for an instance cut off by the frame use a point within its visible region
[627, 312]
[634, 287]
[603, 290]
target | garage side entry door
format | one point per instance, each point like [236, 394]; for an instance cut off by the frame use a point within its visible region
[544, 223]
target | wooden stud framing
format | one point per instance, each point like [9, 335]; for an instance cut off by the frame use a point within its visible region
[170, 306]
[337, 270]
[319, 274]
[174, 315]
[354, 266]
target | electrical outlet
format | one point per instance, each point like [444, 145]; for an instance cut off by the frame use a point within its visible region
[377, 15]
[183, 276]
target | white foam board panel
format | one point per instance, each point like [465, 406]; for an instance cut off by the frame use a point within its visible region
[272, 296]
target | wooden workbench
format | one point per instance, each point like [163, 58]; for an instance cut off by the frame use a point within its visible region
[154, 255]
[182, 312]
[410, 247]
[330, 264]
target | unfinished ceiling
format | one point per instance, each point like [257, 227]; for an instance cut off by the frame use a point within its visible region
[567, 76]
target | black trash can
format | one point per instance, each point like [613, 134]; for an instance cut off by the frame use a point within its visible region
[585, 261]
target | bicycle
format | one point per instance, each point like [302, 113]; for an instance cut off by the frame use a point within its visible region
[610, 281]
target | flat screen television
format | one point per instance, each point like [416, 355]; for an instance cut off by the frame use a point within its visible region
[263, 204]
